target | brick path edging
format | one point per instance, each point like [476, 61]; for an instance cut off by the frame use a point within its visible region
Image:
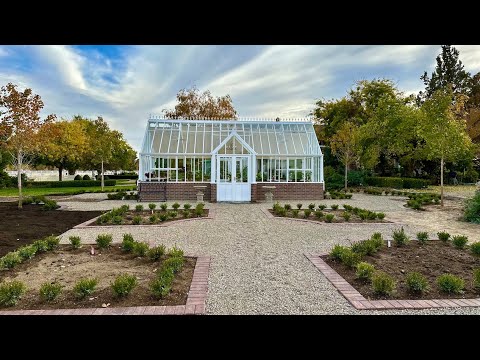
[86, 224]
[359, 302]
[269, 215]
[195, 304]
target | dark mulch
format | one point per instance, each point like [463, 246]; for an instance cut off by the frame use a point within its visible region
[66, 266]
[431, 260]
[32, 223]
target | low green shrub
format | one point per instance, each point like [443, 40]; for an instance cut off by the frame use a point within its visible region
[347, 207]
[118, 220]
[319, 214]
[172, 214]
[50, 291]
[75, 241]
[299, 206]
[329, 218]
[53, 242]
[156, 252]
[128, 244]
[10, 260]
[50, 205]
[175, 252]
[41, 245]
[475, 248]
[187, 206]
[311, 206]
[382, 283]
[380, 216]
[348, 196]
[472, 209]
[337, 252]
[334, 206]
[377, 240]
[460, 241]
[287, 207]
[137, 220]
[164, 206]
[422, 237]
[86, 178]
[152, 206]
[140, 248]
[476, 279]
[175, 206]
[371, 215]
[153, 219]
[416, 282]
[295, 213]
[322, 206]
[450, 284]
[346, 215]
[163, 217]
[186, 213]
[306, 213]
[175, 263]
[282, 212]
[85, 287]
[27, 252]
[11, 292]
[162, 285]
[139, 208]
[443, 236]
[104, 241]
[199, 209]
[364, 247]
[364, 270]
[350, 258]
[123, 284]
[400, 238]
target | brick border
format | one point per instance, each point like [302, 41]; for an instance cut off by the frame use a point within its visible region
[85, 224]
[271, 216]
[195, 304]
[359, 302]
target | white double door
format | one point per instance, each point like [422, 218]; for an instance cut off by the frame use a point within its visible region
[233, 182]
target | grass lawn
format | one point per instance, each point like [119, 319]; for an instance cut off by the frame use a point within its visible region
[59, 191]
[462, 189]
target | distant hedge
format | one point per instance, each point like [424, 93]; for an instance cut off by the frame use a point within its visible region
[72, 183]
[397, 183]
[123, 177]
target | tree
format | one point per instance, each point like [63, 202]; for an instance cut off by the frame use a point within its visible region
[65, 146]
[192, 104]
[444, 136]
[448, 72]
[344, 145]
[19, 125]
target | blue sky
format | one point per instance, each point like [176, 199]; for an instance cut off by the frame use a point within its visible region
[125, 84]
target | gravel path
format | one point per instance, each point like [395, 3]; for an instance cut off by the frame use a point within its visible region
[258, 266]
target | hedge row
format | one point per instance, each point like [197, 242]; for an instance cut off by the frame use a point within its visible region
[123, 177]
[72, 183]
[397, 183]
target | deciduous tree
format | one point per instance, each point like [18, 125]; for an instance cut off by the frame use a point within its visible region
[20, 123]
[344, 145]
[193, 104]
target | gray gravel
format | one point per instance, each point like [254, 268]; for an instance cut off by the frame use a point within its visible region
[258, 266]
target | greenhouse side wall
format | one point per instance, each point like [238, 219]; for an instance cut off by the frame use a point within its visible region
[288, 191]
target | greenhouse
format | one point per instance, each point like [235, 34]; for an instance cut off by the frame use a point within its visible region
[230, 160]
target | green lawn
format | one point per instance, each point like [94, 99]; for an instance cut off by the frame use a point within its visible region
[59, 191]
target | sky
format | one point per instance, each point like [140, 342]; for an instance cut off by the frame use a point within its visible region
[125, 84]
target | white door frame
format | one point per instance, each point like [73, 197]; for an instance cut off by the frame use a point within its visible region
[233, 190]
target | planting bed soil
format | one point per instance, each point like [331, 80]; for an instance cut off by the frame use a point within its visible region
[66, 266]
[338, 217]
[32, 223]
[431, 260]
[128, 217]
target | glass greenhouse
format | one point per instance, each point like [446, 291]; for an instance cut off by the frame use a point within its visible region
[229, 159]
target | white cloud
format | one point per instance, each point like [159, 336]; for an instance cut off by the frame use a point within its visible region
[3, 51]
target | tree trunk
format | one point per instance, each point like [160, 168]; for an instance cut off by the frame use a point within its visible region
[19, 178]
[441, 181]
[102, 175]
[346, 176]
[60, 173]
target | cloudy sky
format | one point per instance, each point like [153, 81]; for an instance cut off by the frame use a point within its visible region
[125, 84]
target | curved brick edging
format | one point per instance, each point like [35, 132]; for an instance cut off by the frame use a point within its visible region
[195, 304]
[210, 216]
[269, 215]
[359, 302]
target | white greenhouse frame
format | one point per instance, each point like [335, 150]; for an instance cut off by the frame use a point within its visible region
[183, 150]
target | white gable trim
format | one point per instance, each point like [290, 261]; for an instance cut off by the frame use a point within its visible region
[234, 133]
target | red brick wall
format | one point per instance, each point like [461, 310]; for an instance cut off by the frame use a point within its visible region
[213, 193]
[289, 191]
[174, 191]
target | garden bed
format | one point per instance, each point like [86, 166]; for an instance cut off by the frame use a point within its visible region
[125, 216]
[66, 266]
[432, 259]
[32, 223]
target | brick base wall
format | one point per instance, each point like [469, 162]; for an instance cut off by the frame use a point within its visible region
[151, 191]
[174, 191]
[288, 191]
